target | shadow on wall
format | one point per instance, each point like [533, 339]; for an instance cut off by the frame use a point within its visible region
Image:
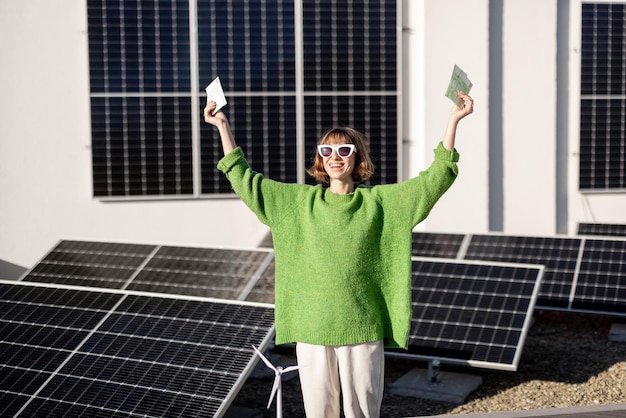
[10, 271]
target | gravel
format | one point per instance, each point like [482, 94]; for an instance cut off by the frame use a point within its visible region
[567, 361]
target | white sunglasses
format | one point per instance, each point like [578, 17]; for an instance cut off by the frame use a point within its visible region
[343, 150]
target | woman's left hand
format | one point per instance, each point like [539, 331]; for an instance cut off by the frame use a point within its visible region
[467, 107]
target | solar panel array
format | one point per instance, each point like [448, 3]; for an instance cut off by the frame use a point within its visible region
[280, 62]
[76, 351]
[472, 313]
[146, 353]
[249, 275]
[611, 230]
[559, 255]
[582, 274]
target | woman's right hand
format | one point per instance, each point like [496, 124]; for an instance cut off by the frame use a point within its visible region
[216, 120]
[220, 121]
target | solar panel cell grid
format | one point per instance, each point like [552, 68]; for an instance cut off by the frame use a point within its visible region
[476, 312]
[136, 155]
[615, 230]
[68, 352]
[559, 255]
[581, 274]
[90, 264]
[21, 381]
[602, 109]
[428, 244]
[124, 35]
[205, 272]
[250, 44]
[349, 45]
[602, 279]
[142, 56]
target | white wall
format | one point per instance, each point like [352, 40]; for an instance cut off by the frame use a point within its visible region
[45, 161]
[456, 32]
[529, 102]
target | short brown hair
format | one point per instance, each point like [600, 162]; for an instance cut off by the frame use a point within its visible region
[364, 168]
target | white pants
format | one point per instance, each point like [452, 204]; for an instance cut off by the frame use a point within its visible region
[357, 371]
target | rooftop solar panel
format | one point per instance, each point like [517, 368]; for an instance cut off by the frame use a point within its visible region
[602, 84]
[205, 272]
[431, 244]
[613, 230]
[469, 312]
[559, 255]
[210, 272]
[74, 351]
[472, 313]
[582, 274]
[83, 263]
[601, 282]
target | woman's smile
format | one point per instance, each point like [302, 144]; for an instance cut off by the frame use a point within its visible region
[338, 167]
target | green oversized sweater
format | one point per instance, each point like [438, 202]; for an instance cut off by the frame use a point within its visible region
[343, 262]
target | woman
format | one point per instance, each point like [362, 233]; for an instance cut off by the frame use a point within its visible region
[343, 259]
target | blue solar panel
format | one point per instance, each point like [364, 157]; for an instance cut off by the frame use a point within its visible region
[472, 313]
[124, 36]
[146, 58]
[83, 263]
[601, 281]
[250, 44]
[606, 229]
[210, 272]
[582, 274]
[139, 155]
[193, 271]
[558, 254]
[68, 351]
[350, 46]
[431, 244]
[602, 84]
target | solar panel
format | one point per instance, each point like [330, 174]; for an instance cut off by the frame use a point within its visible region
[601, 282]
[206, 272]
[559, 255]
[613, 230]
[73, 351]
[210, 272]
[472, 313]
[98, 264]
[431, 244]
[263, 289]
[581, 274]
[602, 143]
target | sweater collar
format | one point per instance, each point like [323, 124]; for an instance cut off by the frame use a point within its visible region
[331, 197]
